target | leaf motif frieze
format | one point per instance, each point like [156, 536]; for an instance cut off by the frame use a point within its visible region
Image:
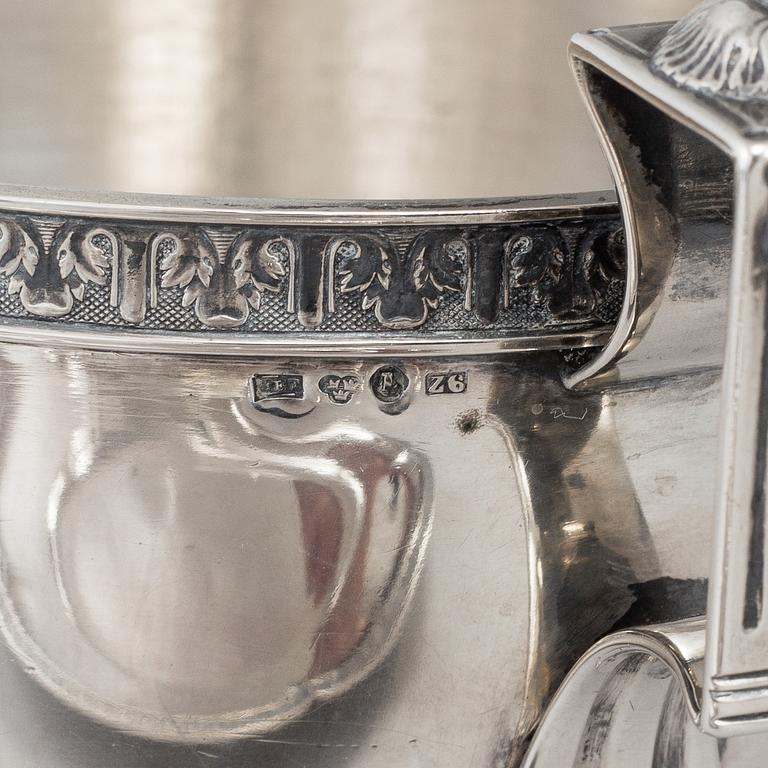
[265, 279]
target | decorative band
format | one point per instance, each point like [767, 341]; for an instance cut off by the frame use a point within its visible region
[478, 280]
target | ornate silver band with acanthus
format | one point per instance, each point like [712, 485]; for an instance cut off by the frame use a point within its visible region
[504, 274]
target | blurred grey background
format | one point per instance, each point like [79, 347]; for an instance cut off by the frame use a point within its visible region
[301, 98]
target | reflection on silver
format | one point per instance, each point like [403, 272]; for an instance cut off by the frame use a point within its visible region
[311, 516]
[320, 531]
[157, 570]
[632, 699]
[693, 183]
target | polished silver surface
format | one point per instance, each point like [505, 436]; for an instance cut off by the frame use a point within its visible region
[184, 564]
[632, 699]
[283, 571]
[681, 113]
[425, 483]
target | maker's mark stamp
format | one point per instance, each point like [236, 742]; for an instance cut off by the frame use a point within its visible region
[450, 383]
[389, 383]
[277, 386]
[339, 389]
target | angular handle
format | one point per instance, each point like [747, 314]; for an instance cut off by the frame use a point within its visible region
[735, 697]
[683, 116]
